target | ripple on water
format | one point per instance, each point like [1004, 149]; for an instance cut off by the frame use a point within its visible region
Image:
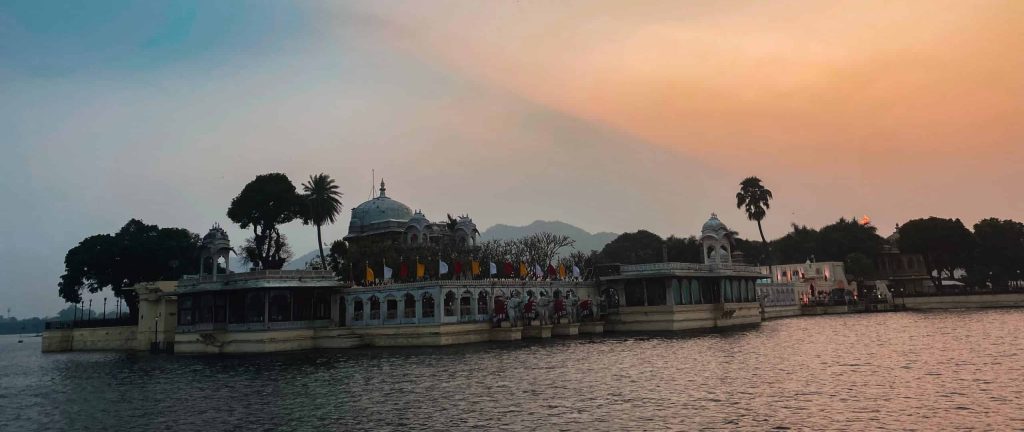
[936, 370]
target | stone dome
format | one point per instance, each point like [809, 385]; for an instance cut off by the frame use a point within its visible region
[380, 209]
[714, 226]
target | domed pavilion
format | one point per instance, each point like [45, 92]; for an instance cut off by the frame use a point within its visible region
[385, 219]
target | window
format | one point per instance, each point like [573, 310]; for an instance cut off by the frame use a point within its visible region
[466, 304]
[374, 308]
[322, 305]
[449, 304]
[391, 308]
[236, 307]
[428, 305]
[481, 303]
[185, 310]
[634, 292]
[206, 309]
[255, 307]
[280, 306]
[357, 309]
[655, 289]
[409, 311]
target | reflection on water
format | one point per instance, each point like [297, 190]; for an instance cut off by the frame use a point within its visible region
[938, 370]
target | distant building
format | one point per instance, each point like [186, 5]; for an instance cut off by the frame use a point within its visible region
[809, 280]
[902, 273]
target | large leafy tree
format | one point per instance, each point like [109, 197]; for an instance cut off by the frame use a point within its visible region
[845, 237]
[684, 249]
[137, 253]
[797, 246]
[1000, 253]
[324, 202]
[264, 204]
[945, 244]
[755, 200]
[633, 248]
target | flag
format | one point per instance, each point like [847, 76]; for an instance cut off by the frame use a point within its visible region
[575, 271]
[508, 270]
[421, 270]
[458, 268]
[522, 270]
[475, 267]
[442, 268]
[561, 271]
[403, 271]
[493, 269]
[388, 272]
[537, 270]
[551, 270]
[369, 274]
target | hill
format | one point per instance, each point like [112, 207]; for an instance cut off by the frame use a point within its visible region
[585, 241]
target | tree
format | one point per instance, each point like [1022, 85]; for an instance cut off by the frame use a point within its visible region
[633, 248]
[137, 253]
[859, 267]
[755, 200]
[945, 244]
[324, 201]
[845, 237]
[684, 249]
[797, 246]
[1000, 253]
[265, 203]
[547, 245]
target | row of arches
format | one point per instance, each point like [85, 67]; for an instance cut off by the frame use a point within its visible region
[453, 306]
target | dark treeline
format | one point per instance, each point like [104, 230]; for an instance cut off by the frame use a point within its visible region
[990, 254]
[12, 325]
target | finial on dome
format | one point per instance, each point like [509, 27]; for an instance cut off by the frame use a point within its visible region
[714, 215]
[382, 186]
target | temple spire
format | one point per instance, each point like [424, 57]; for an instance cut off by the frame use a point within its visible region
[382, 187]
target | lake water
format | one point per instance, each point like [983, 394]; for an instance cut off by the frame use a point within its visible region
[928, 371]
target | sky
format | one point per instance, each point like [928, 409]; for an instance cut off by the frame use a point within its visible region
[612, 116]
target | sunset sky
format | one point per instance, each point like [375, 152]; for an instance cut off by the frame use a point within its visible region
[612, 116]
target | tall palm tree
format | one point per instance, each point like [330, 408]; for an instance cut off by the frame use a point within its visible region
[755, 199]
[324, 206]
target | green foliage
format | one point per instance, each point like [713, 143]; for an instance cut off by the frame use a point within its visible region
[324, 204]
[686, 249]
[1000, 252]
[265, 203]
[859, 267]
[755, 200]
[845, 237]
[633, 248]
[945, 244]
[137, 253]
[797, 246]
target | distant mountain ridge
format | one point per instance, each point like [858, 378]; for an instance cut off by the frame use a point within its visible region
[585, 241]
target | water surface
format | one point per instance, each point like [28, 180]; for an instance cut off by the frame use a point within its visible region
[927, 371]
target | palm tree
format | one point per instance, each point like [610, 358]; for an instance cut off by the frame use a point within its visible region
[754, 198]
[324, 205]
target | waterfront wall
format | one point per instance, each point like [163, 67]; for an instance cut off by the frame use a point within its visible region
[963, 301]
[682, 317]
[121, 338]
[249, 342]
[771, 312]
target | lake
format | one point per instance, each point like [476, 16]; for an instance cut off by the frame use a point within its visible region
[924, 370]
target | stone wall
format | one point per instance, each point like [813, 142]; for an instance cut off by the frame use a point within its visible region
[90, 339]
[963, 301]
[683, 317]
